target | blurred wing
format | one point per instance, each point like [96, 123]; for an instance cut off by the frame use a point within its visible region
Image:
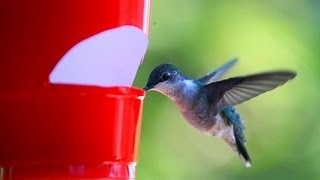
[236, 90]
[218, 73]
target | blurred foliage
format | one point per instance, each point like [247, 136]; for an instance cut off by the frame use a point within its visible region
[283, 127]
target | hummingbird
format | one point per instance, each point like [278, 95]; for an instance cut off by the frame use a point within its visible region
[208, 103]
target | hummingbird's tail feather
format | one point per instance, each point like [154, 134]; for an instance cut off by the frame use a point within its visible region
[241, 149]
[237, 145]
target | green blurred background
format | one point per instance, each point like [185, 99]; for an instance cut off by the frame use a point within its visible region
[283, 128]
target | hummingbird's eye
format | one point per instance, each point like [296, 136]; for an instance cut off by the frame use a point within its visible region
[164, 77]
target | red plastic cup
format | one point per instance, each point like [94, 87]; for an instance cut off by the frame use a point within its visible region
[62, 131]
[70, 132]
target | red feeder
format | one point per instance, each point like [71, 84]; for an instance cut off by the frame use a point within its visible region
[53, 131]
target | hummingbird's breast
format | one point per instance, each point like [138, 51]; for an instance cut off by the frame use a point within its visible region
[196, 108]
[197, 113]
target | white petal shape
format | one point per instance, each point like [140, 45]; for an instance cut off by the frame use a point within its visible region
[109, 58]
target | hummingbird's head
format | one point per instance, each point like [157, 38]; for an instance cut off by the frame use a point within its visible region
[165, 79]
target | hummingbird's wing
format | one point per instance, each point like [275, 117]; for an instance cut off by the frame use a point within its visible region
[233, 91]
[218, 73]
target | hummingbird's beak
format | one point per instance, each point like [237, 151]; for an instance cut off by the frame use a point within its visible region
[146, 88]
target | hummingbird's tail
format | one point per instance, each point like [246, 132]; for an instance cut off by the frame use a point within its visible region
[237, 144]
[242, 150]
